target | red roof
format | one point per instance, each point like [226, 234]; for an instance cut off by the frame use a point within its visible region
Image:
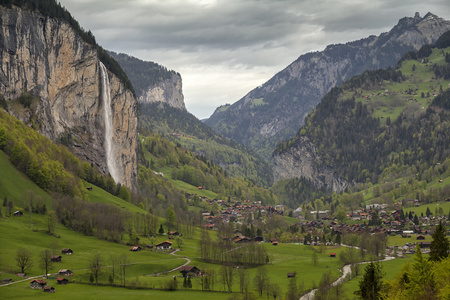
[40, 281]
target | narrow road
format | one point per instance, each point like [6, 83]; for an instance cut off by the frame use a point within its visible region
[129, 264]
[188, 261]
[345, 271]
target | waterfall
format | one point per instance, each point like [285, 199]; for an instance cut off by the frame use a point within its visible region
[108, 116]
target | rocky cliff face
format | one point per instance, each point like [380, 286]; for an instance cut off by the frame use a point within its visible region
[46, 58]
[167, 91]
[303, 161]
[153, 83]
[276, 110]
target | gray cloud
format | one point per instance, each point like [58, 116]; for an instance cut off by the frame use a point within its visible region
[235, 44]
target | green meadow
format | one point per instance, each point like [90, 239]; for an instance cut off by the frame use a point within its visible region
[148, 272]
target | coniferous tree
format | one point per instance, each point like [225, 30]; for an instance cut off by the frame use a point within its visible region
[371, 284]
[440, 245]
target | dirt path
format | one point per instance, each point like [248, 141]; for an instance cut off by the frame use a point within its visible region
[345, 271]
[188, 261]
[129, 264]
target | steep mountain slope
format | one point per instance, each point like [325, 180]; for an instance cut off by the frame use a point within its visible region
[375, 122]
[183, 128]
[153, 83]
[163, 112]
[51, 78]
[276, 110]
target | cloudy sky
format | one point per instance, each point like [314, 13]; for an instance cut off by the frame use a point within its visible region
[225, 48]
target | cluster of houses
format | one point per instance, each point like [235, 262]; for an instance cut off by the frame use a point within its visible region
[41, 284]
[237, 211]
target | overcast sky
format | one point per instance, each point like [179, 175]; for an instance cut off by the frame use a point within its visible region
[225, 48]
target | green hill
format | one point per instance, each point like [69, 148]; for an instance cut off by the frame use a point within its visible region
[184, 128]
[384, 124]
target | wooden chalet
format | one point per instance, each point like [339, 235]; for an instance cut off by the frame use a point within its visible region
[175, 233]
[7, 280]
[18, 213]
[135, 248]
[424, 244]
[56, 258]
[291, 275]
[62, 281]
[242, 240]
[67, 251]
[65, 272]
[164, 245]
[49, 289]
[38, 283]
[189, 270]
[332, 254]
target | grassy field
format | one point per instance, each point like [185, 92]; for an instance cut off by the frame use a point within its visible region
[15, 233]
[390, 269]
[30, 233]
[16, 186]
[406, 97]
[422, 209]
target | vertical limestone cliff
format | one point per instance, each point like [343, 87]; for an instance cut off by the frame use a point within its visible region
[166, 91]
[152, 82]
[46, 58]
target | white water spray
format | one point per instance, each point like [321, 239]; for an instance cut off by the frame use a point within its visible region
[109, 144]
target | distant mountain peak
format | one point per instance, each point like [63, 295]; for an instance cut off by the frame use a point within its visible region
[292, 93]
[153, 83]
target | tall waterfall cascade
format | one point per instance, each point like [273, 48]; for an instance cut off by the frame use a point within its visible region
[108, 116]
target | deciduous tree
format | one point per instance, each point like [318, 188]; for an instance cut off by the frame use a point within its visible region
[24, 259]
[95, 266]
[45, 261]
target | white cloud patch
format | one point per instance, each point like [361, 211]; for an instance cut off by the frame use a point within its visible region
[225, 48]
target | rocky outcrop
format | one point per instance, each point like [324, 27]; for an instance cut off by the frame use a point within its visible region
[302, 160]
[46, 58]
[153, 83]
[167, 91]
[275, 111]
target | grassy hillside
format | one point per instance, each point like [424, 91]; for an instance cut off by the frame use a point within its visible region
[182, 127]
[388, 128]
[16, 186]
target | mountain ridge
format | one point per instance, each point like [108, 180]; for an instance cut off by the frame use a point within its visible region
[275, 111]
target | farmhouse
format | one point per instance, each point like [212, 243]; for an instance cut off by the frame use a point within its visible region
[56, 258]
[424, 244]
[18, 213]
[291, 275]
[333, 254]
[7, 280]
[38, 283]
[164, 245]
[189, 270]
[62, 281]
[65, 272]
[175, 233]
[135, 248]
[67, 251]
[49, 289]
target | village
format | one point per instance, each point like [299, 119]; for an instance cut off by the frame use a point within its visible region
[320, 227]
